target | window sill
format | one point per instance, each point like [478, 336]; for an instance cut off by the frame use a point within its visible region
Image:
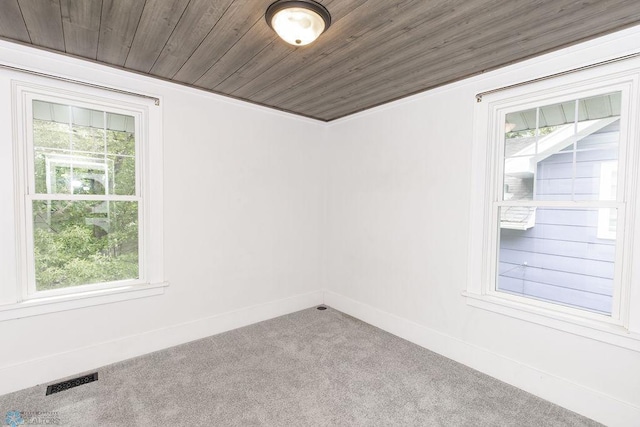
[599, 331]
[35, 307]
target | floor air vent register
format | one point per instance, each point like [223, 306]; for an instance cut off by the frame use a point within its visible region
[75, 382]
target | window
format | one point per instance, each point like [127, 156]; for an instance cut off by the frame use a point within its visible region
[551, 226]
[82, 195]
[84, 207]
[554, 155]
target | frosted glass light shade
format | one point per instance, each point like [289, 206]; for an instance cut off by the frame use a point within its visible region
[298, 22]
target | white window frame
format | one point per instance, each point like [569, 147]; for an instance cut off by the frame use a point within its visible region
[623, 326]
[18, 297]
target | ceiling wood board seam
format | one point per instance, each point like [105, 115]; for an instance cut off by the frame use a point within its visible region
[25, 22]
[64, 42]
[221, 57]
[250, 22]
[133, 39]
[197, 45]
[259, 27]
[170, 35]
[99, 32]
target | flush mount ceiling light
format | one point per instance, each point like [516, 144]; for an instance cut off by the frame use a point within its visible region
[298, 22]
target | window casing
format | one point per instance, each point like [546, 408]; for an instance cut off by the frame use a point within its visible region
[513, 267]
[87, 223]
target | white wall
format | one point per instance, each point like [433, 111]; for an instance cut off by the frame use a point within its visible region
[398, 209]
[242, 217]
[263, 209]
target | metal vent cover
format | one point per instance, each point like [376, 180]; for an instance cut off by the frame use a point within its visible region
[75, 382]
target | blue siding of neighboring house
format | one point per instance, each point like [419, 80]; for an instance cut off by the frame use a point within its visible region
[561, 258]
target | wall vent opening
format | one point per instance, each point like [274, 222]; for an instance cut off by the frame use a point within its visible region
[65, 385]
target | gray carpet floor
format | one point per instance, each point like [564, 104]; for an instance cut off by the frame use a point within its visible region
[310, 368]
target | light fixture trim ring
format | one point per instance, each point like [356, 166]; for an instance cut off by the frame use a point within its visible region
[304, 4]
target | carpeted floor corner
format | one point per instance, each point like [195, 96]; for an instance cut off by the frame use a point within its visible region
[310, 368]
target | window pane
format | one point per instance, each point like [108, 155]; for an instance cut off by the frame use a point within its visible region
[120, 143]
[518, 126]
[88, 139]
[600, 107]
[526, 131]
[57, 173]
[563, 258]
[82, 151]
[556, 150]
[597, 143]
[518, 178]
[82, 242]
[605, 138]
[120, 134]
[124, 175]
[51, 135]
[577, 176]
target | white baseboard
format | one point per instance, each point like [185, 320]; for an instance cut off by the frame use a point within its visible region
[575, 397]
[50, 368]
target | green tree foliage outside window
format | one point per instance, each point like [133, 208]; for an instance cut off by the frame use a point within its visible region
[78, 241]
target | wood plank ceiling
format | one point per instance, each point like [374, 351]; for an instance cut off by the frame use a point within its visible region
[374, 52]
